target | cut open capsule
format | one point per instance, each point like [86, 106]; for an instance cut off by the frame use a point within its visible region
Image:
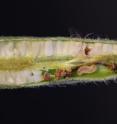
[31, 61]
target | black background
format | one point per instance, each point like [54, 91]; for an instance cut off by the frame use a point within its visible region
[82, 103]
[57, 17]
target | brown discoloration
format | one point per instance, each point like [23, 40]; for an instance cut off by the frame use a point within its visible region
[87, 50]
[113, 67]
[63, 73]
[46, 76]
